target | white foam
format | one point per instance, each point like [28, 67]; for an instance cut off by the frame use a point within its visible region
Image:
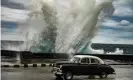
[72, 22]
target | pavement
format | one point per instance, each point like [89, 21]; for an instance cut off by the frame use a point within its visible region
[123, 72]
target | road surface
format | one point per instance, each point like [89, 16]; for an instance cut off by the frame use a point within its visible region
[123, 72]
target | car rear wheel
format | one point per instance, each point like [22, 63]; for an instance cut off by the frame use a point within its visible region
[68, 75]
[103, 75]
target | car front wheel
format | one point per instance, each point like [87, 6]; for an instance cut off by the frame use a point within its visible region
[68, 75]
[103, 75]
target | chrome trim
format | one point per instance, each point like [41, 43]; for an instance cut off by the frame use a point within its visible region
[56, 70]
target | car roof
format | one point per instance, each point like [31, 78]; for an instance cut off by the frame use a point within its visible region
[89, 56]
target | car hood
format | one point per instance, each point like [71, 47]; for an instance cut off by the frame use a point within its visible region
[63, 62]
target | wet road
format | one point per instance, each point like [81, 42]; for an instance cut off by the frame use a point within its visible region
[123, 72]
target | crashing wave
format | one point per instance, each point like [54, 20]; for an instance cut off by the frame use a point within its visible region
[66, 26]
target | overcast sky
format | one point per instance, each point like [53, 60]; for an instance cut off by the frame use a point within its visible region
[115, 30]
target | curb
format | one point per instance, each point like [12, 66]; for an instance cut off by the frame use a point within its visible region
[27, 65]
[43, 65]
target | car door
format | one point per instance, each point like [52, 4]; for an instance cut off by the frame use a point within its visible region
[94, 66]
[75, 67]
[84, 66]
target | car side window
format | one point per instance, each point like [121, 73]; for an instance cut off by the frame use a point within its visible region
[94, 61]
[77, 60]
[85, 60]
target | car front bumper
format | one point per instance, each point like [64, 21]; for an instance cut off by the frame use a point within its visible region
[56, 70]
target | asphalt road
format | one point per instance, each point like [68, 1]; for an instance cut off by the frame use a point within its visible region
[122, 73]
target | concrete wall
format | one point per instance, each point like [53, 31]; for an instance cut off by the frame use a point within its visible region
[28, 55]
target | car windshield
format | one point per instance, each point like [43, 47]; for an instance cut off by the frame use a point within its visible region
[75, 59]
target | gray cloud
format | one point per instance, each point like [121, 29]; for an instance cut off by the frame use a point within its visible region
[123, 8]
[10, 4]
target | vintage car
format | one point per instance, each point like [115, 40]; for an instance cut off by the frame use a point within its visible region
[82, 65]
